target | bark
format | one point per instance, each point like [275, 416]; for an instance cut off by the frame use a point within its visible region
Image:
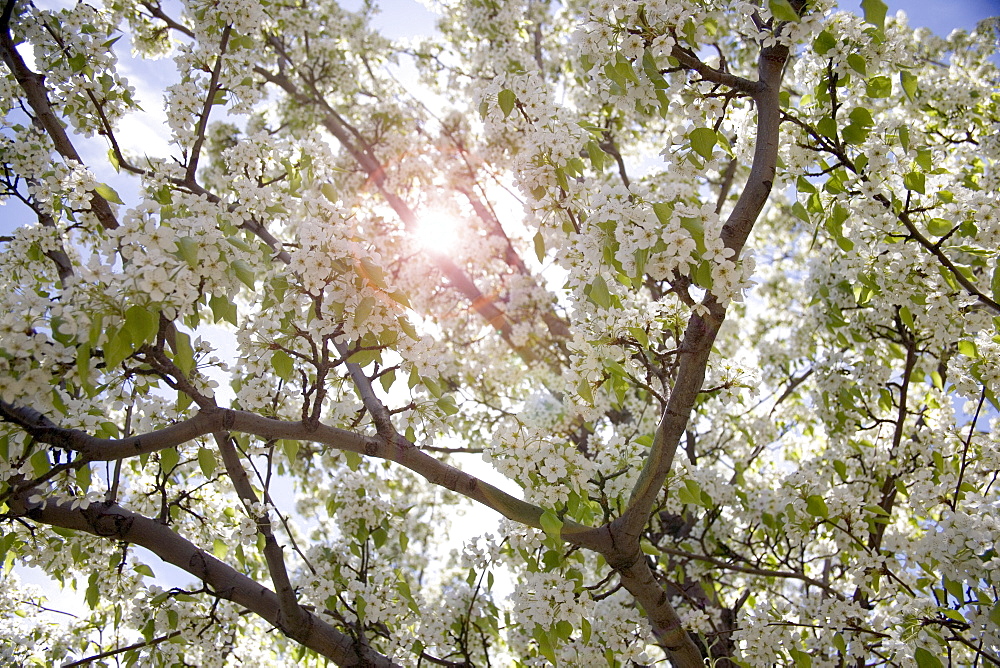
[116, 523]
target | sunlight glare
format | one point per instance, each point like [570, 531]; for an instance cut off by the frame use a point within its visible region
[438, 230]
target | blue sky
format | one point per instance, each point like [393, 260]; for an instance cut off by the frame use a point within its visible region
[408, 18]
[942, 16]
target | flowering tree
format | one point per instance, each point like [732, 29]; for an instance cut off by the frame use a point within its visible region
[797, 472]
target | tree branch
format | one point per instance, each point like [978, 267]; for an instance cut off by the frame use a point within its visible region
[33, 85]
[213, 87]
[690, 61]
[396, 449]
[701, 331]
[114, 522]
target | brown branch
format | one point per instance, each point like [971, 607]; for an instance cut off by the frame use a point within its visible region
[750, 570]
[213, 87]
[936, 251]
[122, 650]
[727, 184]
[701, 331]
[211, 420]
[33, 85]
[113, 522]
[690, 61]
[638, 578]
[695, 350]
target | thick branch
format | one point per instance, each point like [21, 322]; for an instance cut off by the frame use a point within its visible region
[640, 582]
[695, 350]
[116, 523]
[690, 60]
[213, 87]
[700, 334]
[292, 614]
[33, 85]
[212, 420]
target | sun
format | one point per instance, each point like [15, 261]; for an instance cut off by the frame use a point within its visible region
[437, 230]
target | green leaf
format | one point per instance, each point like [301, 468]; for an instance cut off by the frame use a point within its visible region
[353, 460]
[539, 242]
[995, 614]
[183, 353]
[915, 181]
[782, 10]
[283, 364]
[40, 462]
[363, 310]
[904, 138]
[93, 595]
[802, 659]
[927, 659]
[925, 159]
[968, 348]
[640, 336]
[400, 298]
[118, 347]
[906, 316]
[690, 493]
[206, 461]
[909, 83]
[816, 506]
[143, 569]
[169, 457]
[77, 62]
[108, 193]
[995, 283]
[83, 477]
[407, 328]
[703, 141]
[371, 272]
[545, 646]
[855, 134]
[187, 249]
[696, 227]
[364, 357]
[447, 405]
[222, 309]
[596, 155]
[875, 12]
[220, 548]
[827, 127]
[823, 43]
[615, 74]
[244, 272]
[551, 525]
[857, 63]
[939, 226]
[330, 192]
[862, 117]
[141, 324]
[664, 212]
[291, 448]
[599, 292]
[96, 328]
[652, 70]
[506, 99]
[879, 87]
